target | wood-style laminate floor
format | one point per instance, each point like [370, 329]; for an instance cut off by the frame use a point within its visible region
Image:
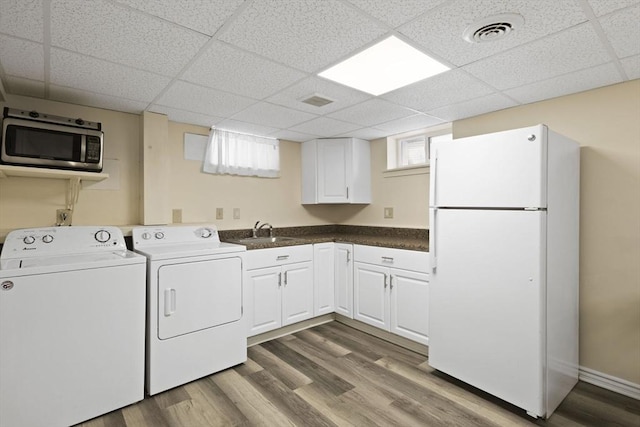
[335, 375]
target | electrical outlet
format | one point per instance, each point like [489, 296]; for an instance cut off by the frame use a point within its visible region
[63, 217]
[388, 213]
[236, 213]
[219, 213]
[176, 215]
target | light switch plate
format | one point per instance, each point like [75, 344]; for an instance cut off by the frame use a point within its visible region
[388, 213]
[176, 215]
[219, 213]
[236, 213]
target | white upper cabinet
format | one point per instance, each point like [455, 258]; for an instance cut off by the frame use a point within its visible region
[336, 170]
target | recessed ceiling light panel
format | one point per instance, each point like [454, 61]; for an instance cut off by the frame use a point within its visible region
[384, 67]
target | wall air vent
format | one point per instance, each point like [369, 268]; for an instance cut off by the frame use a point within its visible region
[316, 100]
[493, 28]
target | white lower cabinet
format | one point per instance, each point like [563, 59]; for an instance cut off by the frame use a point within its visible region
[343, 276]
[392, 298]
[323, 278]
[278, 287]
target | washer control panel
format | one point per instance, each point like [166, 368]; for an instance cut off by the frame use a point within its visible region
[172, 235]
[34, 242]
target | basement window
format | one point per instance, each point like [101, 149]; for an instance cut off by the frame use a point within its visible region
[411, 150]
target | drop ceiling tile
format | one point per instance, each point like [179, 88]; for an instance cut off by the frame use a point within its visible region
[94, 75]
[602, 7]
[290, 135]
[325, 127]
[305, 34]
[22, 18]
[441, 31]
[631, 66]
[446, 88]
[272, 115]
[473, 107]
[243, 127]
[22, 58]
[91, 99]
[342, 96]
[233, 70]
[578, 81]
[122, 35]
[419, 121]
[623, 31]
[396, 12]
[571, 50]
[182, 116]
[24, 87]
[206, 17]
[372, 112]
[368, 134]
[198, 99]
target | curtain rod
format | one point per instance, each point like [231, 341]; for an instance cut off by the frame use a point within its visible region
[244, 133]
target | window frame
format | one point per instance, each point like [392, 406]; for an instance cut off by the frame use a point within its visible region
[394, 154]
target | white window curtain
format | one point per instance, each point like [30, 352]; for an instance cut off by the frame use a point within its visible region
[240, 154]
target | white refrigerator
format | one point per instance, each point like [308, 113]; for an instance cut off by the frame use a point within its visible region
[503, 242]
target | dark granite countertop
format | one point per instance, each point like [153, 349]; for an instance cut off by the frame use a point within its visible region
[400, 238]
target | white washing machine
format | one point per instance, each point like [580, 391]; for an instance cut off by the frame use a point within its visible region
[195, 323]
[72, 305]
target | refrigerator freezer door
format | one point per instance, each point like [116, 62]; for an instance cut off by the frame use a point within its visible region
[503, 170]
[486, 308]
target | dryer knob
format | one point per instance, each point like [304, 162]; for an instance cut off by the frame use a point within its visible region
[159, 235]
[48, 238]
[29, 240]
[146, 236]
[205, 233]
[102, 236]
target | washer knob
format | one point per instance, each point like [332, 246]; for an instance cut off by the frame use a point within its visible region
[47, 238]
[29, 240]
[102, 236]
[205, 233]
[159, 235]
[146, 236]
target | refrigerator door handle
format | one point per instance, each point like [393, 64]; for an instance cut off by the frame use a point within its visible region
[434, 176]
[433, 258]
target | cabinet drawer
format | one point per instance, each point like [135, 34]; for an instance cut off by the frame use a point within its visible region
[394, 258]
[260, 258]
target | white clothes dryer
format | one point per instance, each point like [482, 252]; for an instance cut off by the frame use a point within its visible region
[72, 306]
[195, 321]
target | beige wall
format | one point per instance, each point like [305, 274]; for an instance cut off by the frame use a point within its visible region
[606, 123]
[32, 202]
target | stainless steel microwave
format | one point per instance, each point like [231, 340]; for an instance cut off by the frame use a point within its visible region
[30, 138]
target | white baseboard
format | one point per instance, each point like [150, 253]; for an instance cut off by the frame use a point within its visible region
[618, 385]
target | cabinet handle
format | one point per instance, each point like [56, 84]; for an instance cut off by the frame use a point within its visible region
[387, 259]
[348, 256]
[391, 281]
[347, 193]
[285, 278]
[282, 257]
[385, 280]
[279, 279]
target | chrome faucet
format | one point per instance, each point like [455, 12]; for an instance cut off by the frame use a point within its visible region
[256, 229]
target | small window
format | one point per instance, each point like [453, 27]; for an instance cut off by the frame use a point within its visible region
[411, 150]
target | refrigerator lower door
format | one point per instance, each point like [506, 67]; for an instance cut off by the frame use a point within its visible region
[486, 307]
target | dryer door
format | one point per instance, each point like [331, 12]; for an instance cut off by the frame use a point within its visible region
[193, 296]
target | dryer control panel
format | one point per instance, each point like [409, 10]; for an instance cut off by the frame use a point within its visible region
[174, 235]
[37, 242]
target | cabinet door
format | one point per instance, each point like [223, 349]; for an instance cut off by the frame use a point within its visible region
[323, 280]
[263, 306]
[344, 279]
[334, 171]
[371, 294]
[297, 292]
[409, 305]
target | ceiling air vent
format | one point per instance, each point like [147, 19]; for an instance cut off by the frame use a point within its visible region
[316, 100]
[493, 28]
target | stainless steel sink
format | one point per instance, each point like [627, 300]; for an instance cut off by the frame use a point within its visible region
[261, 240]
